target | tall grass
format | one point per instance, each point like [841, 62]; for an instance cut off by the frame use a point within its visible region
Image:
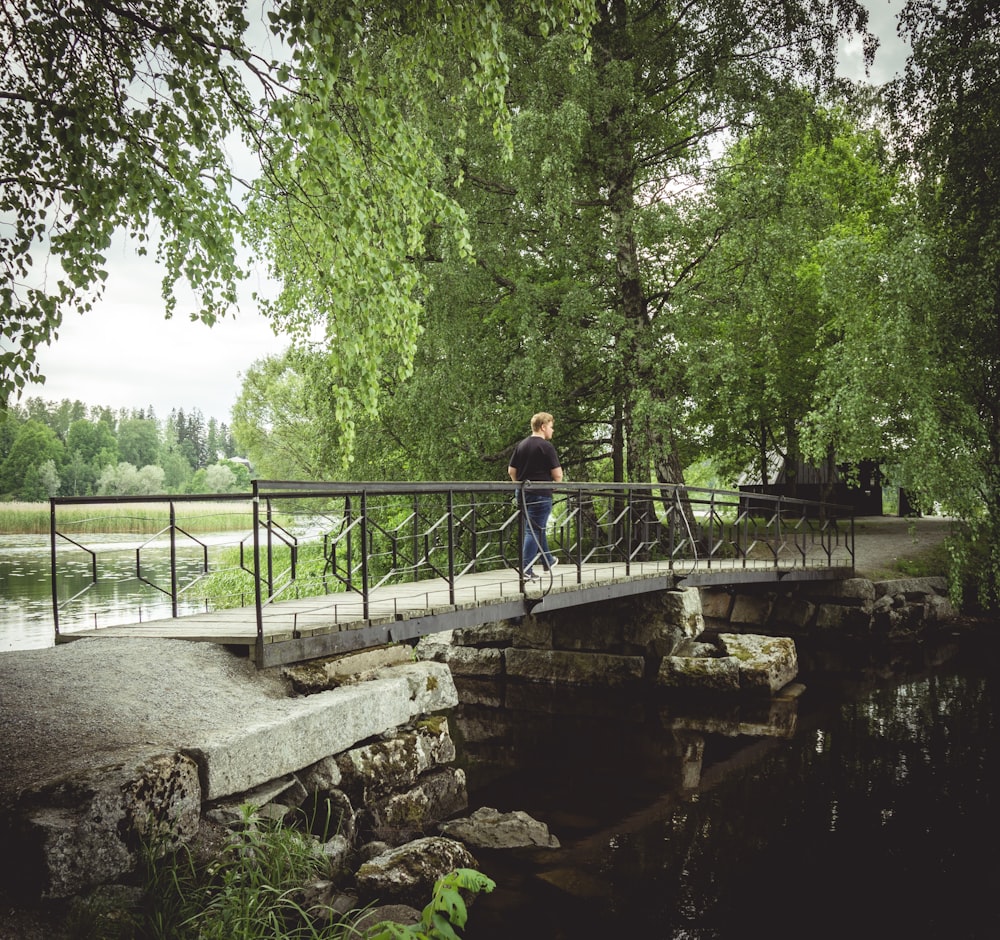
[22, 518]
[253, 890]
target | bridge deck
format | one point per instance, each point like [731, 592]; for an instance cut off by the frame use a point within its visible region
[310, 627]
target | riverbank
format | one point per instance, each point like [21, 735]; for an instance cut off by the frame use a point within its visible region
[80, 706]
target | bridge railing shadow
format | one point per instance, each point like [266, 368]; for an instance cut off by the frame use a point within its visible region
[295, 539]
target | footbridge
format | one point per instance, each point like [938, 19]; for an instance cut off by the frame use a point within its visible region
[300, 570]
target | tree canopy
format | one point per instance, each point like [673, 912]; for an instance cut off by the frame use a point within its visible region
[671, 224]
[126, 116]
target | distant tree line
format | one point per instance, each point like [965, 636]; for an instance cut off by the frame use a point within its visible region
[72, 449]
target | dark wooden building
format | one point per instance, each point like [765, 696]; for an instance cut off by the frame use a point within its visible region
[828, 483]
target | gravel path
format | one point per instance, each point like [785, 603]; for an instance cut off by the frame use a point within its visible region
[881, 542]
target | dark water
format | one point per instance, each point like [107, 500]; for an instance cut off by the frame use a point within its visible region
[868, 810]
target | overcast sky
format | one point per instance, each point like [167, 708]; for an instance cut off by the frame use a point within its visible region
[124, 354]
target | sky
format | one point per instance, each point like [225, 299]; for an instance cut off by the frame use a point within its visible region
[125, 354]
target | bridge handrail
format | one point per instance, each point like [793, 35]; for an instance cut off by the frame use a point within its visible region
[392, 530]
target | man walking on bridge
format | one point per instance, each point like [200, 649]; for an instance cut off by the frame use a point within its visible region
[535, 459]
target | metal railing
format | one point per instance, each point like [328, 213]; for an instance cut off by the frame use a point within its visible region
[292, 539]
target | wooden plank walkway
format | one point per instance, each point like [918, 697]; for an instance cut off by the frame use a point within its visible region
[295, 630]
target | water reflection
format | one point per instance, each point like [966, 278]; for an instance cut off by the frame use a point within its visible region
[875, 817]
[120, 595]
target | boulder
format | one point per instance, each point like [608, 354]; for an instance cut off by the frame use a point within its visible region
[766, 663]
[89, 828]
[436, 795]
[488, 828]
[699, 674]
[407, 874]
[372, 771]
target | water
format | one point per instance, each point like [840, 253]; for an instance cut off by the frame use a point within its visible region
[27, 620]
[876, 817]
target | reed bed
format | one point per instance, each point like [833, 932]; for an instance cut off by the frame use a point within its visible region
[23, 518]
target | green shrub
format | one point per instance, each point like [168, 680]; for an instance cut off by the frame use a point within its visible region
[251, 890]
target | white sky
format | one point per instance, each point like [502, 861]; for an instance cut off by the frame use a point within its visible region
[124, 354]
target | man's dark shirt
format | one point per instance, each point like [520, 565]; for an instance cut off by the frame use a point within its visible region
[534, 459]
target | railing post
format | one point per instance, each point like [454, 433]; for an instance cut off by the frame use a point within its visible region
[417, 551]
[256, 573]
[578, 542]
[451, 546]
[364, 556]
[629, 525]
[173, 558]
[270, 551]
[349, 551]
[777, 533]
[52, 567]
[474, 534]
[712, 516]
[519, 502]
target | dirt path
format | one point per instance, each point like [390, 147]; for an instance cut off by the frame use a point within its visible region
[882, 542]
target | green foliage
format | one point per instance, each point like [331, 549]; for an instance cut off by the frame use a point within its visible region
[582, 241]
[97, 451]
[248, 892]
[32, 518]
[33, 445]
[114, 116]
[445, 912]
[781, 324]
[251, 891]
[947, 117]
[371, 170]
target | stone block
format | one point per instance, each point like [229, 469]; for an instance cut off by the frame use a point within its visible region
[435, 646]
[473, 661]
[488, 828]
[846, 620]
[406, 875]
[716, 604]
[374, 770]
[793, 612]
[940, 609]
[533, 633]
[498, 633]
[751, 609]
[321, 776]
[858, 591]
[299, 732]
[684, 611]
[766, 663]
[88, 828]
[560, 666]
[699, 674]
[583, 630]
[911, 586]
[435, 796]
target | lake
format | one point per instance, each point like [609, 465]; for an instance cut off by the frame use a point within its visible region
[119, 596]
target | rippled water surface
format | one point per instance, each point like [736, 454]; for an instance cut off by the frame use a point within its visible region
[876, 817]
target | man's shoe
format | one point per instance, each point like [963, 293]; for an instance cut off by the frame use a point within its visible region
[530, 576]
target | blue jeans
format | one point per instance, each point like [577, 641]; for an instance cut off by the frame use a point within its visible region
[537, 509]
